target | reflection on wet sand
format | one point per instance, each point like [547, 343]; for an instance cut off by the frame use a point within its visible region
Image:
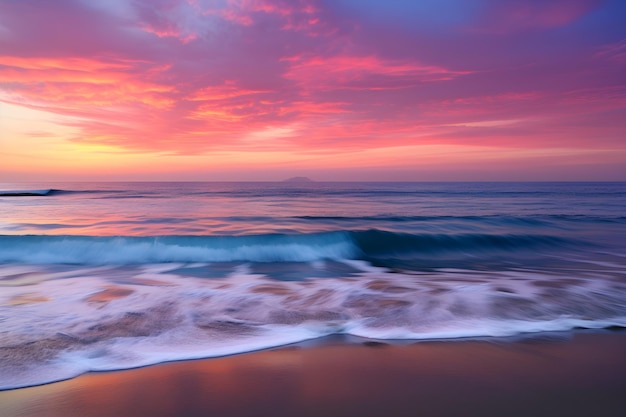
[581, 376]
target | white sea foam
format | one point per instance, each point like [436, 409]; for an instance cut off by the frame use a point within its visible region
[113, 318]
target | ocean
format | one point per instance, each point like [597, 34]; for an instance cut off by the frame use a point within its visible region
[108, 276]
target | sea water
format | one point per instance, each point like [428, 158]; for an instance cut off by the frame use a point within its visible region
[103, 276]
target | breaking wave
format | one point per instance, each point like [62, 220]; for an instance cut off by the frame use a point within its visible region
[368, 245]
[61, 322]
[28, 193]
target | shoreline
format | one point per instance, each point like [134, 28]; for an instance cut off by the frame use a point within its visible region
[576, 373]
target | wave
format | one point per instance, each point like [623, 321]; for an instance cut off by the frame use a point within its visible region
[366, 245]
[54, 191]
[29, 193]
[531, 219]
[74, 320]
[137, 250]
[314, 190]
[47, 192]
[377, 243]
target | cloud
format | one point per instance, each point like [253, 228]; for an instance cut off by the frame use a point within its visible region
[508, 16]
[311, 76]
[362, 72]
[615, 52]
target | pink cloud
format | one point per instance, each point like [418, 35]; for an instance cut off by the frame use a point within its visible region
[507, 16]
[615, 52]
[366, 72]
[194, 76]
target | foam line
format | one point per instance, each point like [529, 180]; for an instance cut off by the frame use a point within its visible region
[135, 316]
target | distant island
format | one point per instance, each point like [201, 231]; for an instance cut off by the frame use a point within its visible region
[298, 179]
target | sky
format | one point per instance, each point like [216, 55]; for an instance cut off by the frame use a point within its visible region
[336, 90]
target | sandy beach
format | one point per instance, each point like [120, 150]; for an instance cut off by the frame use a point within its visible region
[560, 374]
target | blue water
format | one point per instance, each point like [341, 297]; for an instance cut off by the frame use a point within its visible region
[98, 276]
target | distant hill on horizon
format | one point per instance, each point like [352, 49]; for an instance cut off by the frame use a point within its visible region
[298, 179]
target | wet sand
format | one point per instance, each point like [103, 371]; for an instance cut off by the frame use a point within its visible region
[579, 374]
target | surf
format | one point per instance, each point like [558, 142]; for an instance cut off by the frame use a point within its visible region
[64, 323]
[370, 244]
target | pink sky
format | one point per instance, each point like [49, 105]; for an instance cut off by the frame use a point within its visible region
[331, 89]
